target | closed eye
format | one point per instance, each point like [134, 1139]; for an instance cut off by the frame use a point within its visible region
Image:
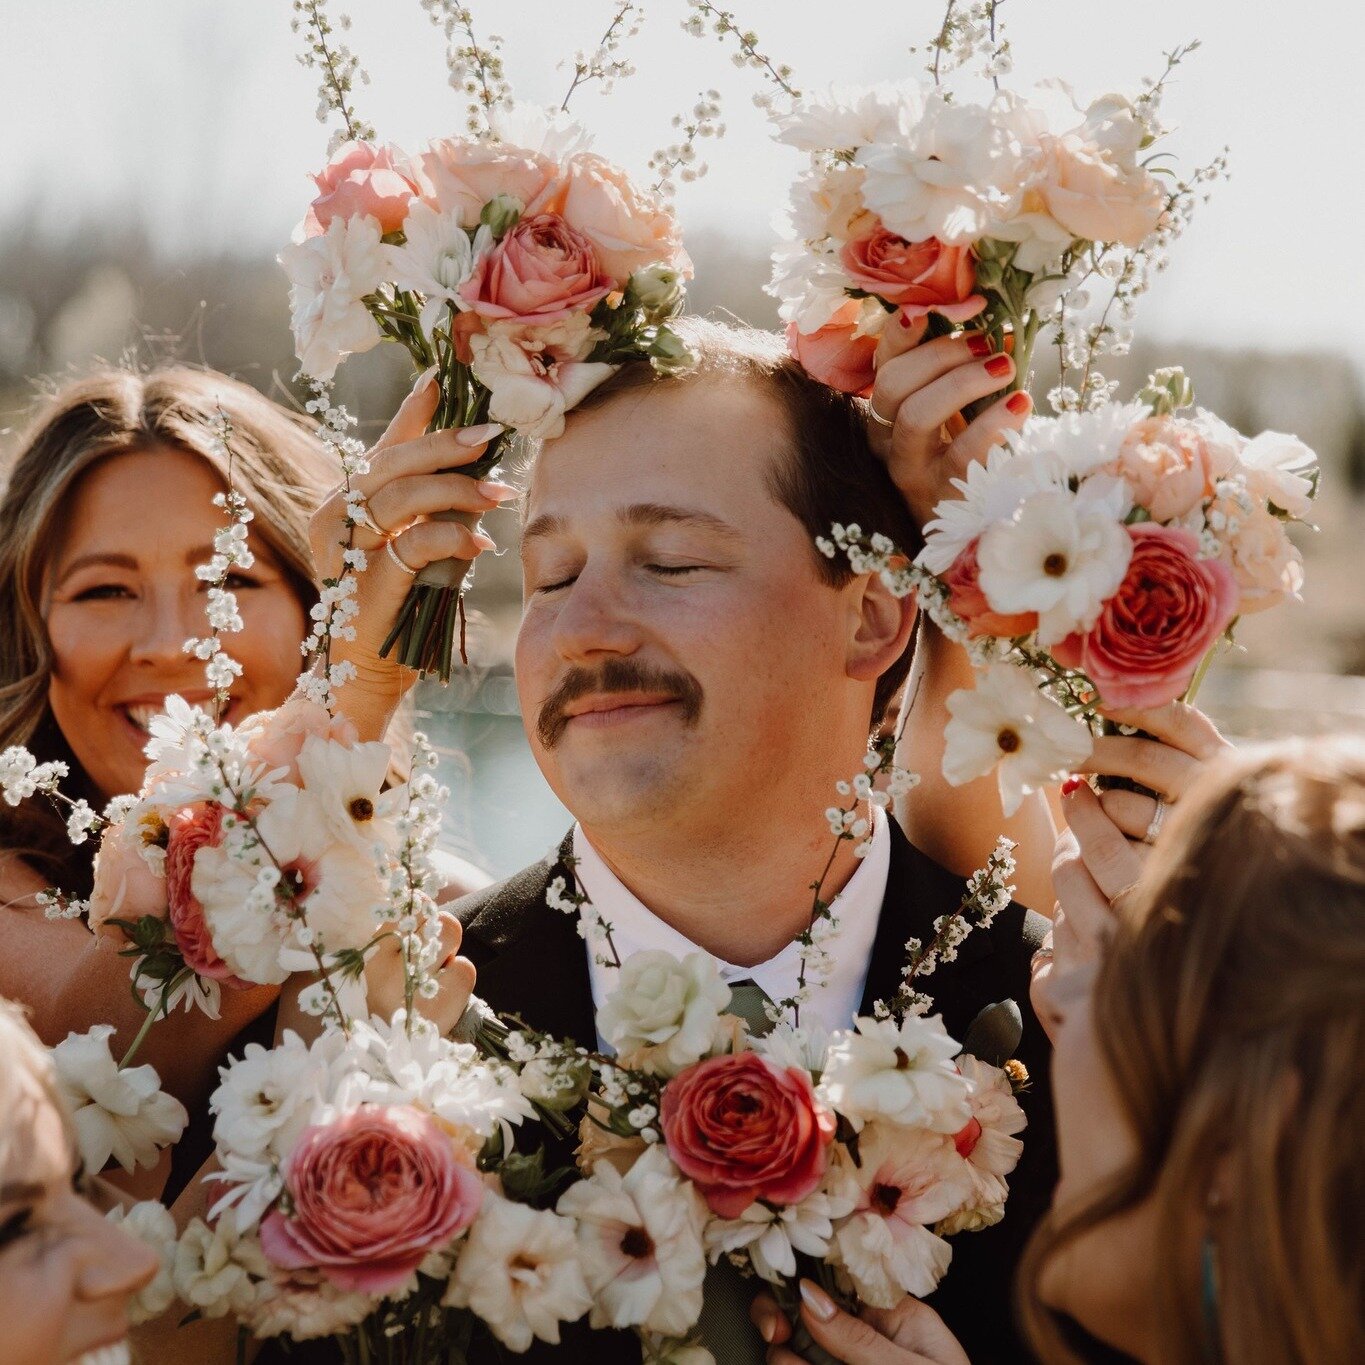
[674, 570]
[556, 586]
[103, 592]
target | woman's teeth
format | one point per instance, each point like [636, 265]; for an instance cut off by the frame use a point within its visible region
[117, 1354]
[141, 714]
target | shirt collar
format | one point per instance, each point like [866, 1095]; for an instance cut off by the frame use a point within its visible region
[635, 928]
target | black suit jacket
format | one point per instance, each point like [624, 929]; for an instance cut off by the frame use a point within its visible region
[532, 962]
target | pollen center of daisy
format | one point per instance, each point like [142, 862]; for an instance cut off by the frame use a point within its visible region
[885, 1198]
[637, 1243]
[1055, 564]
[1008, 740]
[362, 808]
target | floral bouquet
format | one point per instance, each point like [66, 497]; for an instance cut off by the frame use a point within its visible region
[1091, 565]
[520, 267]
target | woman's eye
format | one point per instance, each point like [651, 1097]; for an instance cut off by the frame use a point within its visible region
[240, 580]
[102, 592]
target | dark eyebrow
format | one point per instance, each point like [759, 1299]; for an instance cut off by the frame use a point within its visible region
[200, 554]
[641, 514]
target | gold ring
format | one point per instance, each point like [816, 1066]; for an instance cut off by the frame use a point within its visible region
[364, 517]
[393, 555]
[1119, 895]
[877, 417]
[1154, 828]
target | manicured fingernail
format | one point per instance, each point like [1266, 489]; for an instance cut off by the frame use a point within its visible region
[424, 381]
[979, 344]
[478, 436]
[818, 1301]
[484, 542]
[1072, 784]
[906, 321]
[998, 365]
[767, 1328]
[1019, 403]
[497, 492]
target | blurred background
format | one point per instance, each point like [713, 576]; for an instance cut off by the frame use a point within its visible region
[156, 158]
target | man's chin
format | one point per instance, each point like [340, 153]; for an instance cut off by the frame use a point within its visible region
[604, 788]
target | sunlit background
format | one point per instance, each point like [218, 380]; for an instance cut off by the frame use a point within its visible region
[156, 155]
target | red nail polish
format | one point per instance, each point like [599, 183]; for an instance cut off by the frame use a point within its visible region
[998, 365]
[905, 320]
[1018, 403]
[1072, 783]
[979, 345]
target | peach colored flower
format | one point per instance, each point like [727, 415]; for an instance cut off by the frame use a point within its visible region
[276, 737]
[1167, 465]
[965, 598]
[628, 227]
[541, 271]
[838, 354]
[1092, 196]
[921, 277]
[1266, 564]
[458, 175]
[362, 178]
[126, 886]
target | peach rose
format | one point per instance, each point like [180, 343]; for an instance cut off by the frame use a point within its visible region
[276, 737]
[1167, 465]
[628, 228]
[921, 277]
[965, 597]
[1265, 563]
[1093, 197]
[742, 1128]
[457, 175]
[1150, 636]
[126, 886]
[372, 1193]
[836, 354]
[194, 827]
[362, 178]
[541, 271]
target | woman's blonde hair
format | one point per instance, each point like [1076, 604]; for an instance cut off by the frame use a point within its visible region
[1230, 1012]
[278, 464]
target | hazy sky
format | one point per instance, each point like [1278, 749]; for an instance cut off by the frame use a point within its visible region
[196, 115]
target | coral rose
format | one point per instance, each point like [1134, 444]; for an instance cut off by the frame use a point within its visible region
[1168, 466]
[1093, 197]
[541, 271]
[921, 277]
[362, 178]
[743, 1128]
[836, 354]
[372, 1193]
[628, 228]
[1150, 636]
[457, 175]
[191, 829]
[963, 580]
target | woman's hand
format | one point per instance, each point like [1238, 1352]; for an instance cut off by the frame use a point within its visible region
[921, 390]
[1101, 855]
[454, 977]
[409, 480]
[910, 1334]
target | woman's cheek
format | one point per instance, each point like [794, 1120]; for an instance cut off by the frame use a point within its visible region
[274, 625]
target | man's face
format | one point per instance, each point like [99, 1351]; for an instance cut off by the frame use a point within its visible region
[679, 656]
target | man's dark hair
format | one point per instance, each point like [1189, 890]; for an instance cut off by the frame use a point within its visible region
[831, 474]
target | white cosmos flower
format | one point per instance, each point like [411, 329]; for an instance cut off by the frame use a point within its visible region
[436, 259]
[954, 172]
[803, 1047]
[772, 1236]
[988, 1146]
[1279, 469]
[537, 128]
[664, 1013]
[1007, 723]
[150, 1222]
[640, 1244]
[120, 1114]
[518, 1271]
[902, 1072]
[1062, 555]
[847, 117]
[908, 1180]
[328, 276]
[341, 800]
[215, 1268]
[267, 1097]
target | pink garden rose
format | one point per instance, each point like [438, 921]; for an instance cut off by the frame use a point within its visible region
[541, 271]
[966, 599]
[628, 228]
[1265, 564]
[921, 277]
[1151, 635]
[835, 355]
[194, 827]
[372, 1192]
[458, 175]
[1168, 465]
[743, 1128]
[126, 886]
[1092, 196]
[362, 178]
[276, 737]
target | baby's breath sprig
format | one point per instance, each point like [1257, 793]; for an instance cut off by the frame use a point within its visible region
[680, 158]
[592, 926]
[969, 33]
[704, 15]
[604, 64]
[336, 606]
[22, 777]
[476, 68]
[230, 553]
[989, 891]
[339, 67]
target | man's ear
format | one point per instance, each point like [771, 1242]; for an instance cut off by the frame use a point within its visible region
[881, 627]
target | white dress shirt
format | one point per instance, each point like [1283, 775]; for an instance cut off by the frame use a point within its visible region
[634, 928]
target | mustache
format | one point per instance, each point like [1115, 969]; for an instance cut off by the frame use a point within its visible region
[616, 675]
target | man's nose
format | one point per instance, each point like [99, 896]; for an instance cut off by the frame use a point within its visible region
[595, 619]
